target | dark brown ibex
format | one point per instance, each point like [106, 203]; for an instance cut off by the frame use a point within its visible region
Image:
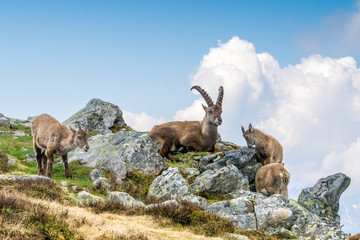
[192, 135]
[51, 137]
[268, 148]
[272, 179]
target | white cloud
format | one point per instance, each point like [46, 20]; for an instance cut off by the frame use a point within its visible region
[312, 108]
[193, 113]
[141, 121]
[346, 162]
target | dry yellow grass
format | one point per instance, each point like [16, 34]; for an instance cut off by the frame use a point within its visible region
[95, 226]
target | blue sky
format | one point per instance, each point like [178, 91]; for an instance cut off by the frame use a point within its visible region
[60, 54]
[288, 67]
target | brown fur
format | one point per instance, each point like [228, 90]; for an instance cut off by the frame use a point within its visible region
[51, 137]
[192, 135]
[272, 179]
[354, 237]
[268, 148]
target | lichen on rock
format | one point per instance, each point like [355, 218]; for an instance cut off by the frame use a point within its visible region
[97, 116]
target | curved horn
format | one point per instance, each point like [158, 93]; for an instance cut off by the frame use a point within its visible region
[207, 98]
[220, 96]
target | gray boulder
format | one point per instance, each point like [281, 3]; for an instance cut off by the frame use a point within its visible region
[163, 204]
[204, 161]
[272, 212]
[102, 183]
[64, 183]
[191, 172]
[120, 153]
[310, 226]
[125, 199]
[11, 162]
[13, 178]
[95, 174]
[97, 116]
[275, 215]
[224, 180]
[196, 200]
[239, 211]
[238, 158]
[4, 122]
[15, 122]
[30, 157]
[169, 185]
[87, 198]
[323, 198]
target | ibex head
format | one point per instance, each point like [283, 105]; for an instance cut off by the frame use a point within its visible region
[212, 111]
[81, 138]
[249, 135]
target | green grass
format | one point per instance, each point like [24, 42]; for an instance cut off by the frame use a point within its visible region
[17, 147]
[187, 160]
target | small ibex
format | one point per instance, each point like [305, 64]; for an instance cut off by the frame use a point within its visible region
[268, 148]
[272, 179]
[191, 135]
[51, 137]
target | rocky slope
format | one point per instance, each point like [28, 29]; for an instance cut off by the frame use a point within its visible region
[221, 183]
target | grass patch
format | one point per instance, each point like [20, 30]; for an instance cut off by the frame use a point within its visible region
[17, 147]
[188, 160]
[38, 188]
[116, 128]
[185, 214]
[113, 207]
[215, 197]
[31, 221]
[80, 174]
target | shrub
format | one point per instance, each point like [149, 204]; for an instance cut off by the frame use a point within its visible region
[4, 163]
[187, 214]
[36, 218]
[39, 188]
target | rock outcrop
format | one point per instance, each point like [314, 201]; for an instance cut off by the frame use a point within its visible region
[97, 116]
[169, 185]
[13, 122]
[125, 199]
[87, 198]
[121, 153]
[224, 180]
[245, 160]
[275, 215]
[323, 198]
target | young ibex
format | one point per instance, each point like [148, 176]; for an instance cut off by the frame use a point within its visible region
[51, 137]
[272, 179]
[191, 135]
[268, 148]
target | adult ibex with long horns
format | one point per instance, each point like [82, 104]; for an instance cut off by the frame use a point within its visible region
[192, 135]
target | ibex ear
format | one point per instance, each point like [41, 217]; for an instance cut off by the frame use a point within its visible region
[73, 130]
[78, 125]
[250, 127]
[243, 129]
[204, 107]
